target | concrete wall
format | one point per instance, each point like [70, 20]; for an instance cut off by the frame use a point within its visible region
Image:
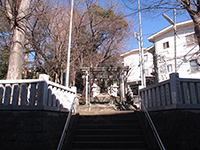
[178, 129]
[31, 130]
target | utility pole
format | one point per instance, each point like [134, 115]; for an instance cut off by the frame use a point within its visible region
[143, 80]
[69, 45]
[175, 57]
[174, 26]
[137, 36]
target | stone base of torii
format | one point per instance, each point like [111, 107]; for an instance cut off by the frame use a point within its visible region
[92, 74]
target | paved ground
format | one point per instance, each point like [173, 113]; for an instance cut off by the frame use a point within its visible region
[103, 104]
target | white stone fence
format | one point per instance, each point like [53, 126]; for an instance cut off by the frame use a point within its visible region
[36, 94]
[175, 93]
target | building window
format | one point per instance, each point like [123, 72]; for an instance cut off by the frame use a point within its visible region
[165, 45]
[194, 65]
[190, 39]
[162, 59]
[169, 68]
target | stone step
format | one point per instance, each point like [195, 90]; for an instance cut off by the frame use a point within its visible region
[104, 112]
[110, 149]
[107, 120]
[119, 130]
[109, 137]
[108, 131]
[107, 126]
[109, 144]
[97, 108]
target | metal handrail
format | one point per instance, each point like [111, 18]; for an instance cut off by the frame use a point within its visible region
[66, 126]
[158, 139]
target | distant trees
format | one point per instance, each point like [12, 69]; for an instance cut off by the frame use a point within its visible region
[99, 36]
[38, 32]
[48, 36]
[5, 43]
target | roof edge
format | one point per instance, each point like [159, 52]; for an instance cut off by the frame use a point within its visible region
[167, 29]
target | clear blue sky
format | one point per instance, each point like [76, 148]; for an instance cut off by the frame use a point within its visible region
[151, 22]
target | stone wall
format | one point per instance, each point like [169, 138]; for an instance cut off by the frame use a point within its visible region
[178, 129]
[31, 130]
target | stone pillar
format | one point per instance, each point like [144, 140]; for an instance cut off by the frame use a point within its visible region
[87, 88]
[74, 89]
[42, 93]
[43, 90]
[175, 89]
[44, 77]
[122, 93]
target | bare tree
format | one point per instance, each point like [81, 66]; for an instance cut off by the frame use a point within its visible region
[193, 8]
[5, 42]
[17, 11]
[98, 36]
[49, 38]
[43, 26]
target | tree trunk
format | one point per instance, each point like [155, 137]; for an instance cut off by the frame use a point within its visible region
[195, 15]
[197, 29]
[18, 27]
[16, 55]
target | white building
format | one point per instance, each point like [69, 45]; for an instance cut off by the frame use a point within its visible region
[162, 61]
[132, 60]
[186, 50]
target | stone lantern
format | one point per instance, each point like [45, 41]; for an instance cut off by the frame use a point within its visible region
[95, 89]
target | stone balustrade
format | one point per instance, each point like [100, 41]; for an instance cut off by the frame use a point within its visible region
[39, 94]
[175, 93]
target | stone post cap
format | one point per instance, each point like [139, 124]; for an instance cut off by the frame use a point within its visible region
[115, 85]
[44, 77]
[94, 85]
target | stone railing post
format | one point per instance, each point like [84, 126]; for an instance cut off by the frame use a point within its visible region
[24, 94]
[7, 94]
[32, 94]
[15, 98]
[42, 93]
[1, 93]
[74, 89]
[43, 90]
[175, 87]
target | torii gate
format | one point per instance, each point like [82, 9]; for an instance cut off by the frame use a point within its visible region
[104, 70]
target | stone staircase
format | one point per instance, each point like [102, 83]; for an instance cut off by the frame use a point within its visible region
[114, 131]
[104, 127]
